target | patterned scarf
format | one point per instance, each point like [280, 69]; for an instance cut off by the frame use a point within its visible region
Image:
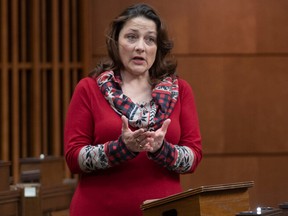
[164, 98]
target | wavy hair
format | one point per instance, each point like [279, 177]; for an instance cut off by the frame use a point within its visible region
[163, 66]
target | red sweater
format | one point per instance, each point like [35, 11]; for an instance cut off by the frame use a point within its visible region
[121, 190]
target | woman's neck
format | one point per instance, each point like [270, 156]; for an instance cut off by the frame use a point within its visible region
[137, 88]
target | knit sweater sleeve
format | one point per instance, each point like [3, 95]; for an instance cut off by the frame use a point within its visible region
[81, 154]
[103, 156]
[174, 157]
[183, 157]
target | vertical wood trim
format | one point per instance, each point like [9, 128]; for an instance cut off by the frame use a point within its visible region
[66, 53]
[44, 77]
[24, 131]
[66, 74]
[4, 83]
[15, 92]
[74, 42]
[56, 141]
[86, 33]
[74, 30]
[23, 81]
[36, 102]
[45, 112]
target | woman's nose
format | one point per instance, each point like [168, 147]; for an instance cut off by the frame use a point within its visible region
[140, 46]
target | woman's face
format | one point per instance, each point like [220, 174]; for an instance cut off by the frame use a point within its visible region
[138, 45]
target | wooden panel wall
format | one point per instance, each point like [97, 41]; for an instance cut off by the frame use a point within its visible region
[235, 56]
[43, 54]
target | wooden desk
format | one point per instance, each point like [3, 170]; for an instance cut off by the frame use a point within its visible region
[9, 203]
[9, 199]
[43, 189]
[49, 171]
[223, 199]
[5, 175]
[37, 200]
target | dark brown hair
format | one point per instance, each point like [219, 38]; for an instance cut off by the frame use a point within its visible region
[163, 66]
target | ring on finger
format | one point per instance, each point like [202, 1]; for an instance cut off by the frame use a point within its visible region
[137, 140]
[141, 146]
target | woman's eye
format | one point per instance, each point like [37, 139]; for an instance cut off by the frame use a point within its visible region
[131, 37]
[151, 40]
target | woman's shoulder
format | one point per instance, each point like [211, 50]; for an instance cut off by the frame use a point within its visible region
[87, 83]
[185, 88]
[183, 84]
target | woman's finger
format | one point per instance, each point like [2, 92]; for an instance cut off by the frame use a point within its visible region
[125, 125]
[165, 125]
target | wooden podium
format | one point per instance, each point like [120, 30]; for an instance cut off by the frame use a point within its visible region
[222, 199]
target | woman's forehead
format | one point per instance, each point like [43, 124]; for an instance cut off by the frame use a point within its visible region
[140, 24]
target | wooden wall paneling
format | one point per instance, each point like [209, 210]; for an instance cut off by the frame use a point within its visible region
[252, 26]
[66, 54]
[85, 32]
[241, 101]
[23, 80]
[272, 171]
[44, 32]
[15, 90]
[74, 45]
[201, 26]
[207, 79]
[66, 64]
[44, 78]
[5, 123]
[56, 141]
[36, 137]
[272, 31]
[42, 58]
[23, 122]
[45, 112]
[256, 104]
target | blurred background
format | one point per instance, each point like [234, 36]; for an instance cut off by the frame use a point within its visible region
[234, 53]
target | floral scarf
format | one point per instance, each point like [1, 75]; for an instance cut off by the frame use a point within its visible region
[164, 98]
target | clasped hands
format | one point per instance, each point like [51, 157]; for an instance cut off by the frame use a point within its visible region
[142, 140]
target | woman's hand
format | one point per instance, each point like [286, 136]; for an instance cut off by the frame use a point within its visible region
[157, 137]
[136, 141]
[141, 140]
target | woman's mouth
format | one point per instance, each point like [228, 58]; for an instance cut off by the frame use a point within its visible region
[138, 60]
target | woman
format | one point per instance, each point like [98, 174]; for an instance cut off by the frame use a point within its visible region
[132, 125]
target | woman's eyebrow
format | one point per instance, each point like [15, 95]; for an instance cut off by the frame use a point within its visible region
[137, 30]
